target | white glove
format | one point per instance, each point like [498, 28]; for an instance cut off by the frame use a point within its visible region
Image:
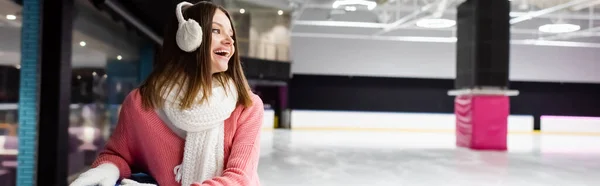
[104, 175]
[129, 182]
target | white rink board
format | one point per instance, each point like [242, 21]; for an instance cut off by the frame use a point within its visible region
[269, 119]
[570, 124]
[389, 120]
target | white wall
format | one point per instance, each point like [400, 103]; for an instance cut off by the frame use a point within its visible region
[363, 57]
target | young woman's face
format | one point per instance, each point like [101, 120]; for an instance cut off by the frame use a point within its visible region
[222, 42]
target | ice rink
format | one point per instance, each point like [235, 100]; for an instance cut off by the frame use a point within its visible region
[381, 158]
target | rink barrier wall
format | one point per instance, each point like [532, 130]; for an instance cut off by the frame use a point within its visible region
[412, 122]
[432, 122]
[422, 95]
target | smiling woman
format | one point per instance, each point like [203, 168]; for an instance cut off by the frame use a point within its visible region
[196, 105]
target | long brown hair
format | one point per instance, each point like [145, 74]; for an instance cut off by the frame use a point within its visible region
[192, 71]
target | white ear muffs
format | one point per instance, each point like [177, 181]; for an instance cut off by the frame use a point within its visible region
[189, 32]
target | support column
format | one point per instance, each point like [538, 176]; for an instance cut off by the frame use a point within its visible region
[482, 71]
[28, 92]
[55, 92]
[537, 122]
[284, 111]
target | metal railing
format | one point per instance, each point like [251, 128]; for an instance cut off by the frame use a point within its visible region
[263, 49]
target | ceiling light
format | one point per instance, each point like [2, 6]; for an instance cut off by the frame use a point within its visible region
[82, 43]
[559, 28]
[280, 12]
[78, 77]
[370, 4]
[18, 66]
[119, 57]
[242, 11]
[11, 17]
[94, 73]
[436, 23]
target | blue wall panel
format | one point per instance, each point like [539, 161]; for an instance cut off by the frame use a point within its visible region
[28, 92]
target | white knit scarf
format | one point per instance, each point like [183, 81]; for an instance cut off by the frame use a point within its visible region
[204, 125]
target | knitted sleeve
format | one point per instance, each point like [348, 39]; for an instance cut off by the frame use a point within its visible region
[242, 164]
[117, 150]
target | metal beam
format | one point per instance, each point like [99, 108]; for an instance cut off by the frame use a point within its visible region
[133, 21]
[547, 11]
[558, 16]
[406, 19]
[382, 25]
[411, 8]
[297, 14]
[439, 11]
[341, 24]
[586, 5]
[443, 40]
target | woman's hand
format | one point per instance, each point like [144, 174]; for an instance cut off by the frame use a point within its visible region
[104, 175]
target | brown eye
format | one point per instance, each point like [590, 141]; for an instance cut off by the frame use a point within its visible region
[216, 31]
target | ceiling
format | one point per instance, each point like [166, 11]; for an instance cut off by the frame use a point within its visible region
[396, 20]
[104, 39]
[389, 20]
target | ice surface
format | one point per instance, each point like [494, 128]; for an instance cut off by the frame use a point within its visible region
[342, 158]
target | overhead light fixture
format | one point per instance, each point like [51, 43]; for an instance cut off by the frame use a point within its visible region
[370, 4]
[280, 12]
[242, 11]
[559, 28]
[94, 73]
[82, 43]
[119, 57]
[11, 17]
[436, 23]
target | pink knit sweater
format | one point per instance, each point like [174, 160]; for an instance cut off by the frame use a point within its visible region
[142, 142]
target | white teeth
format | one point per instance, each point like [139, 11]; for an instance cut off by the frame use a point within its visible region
[223, 51]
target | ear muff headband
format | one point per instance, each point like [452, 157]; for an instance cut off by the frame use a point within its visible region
[189, 32]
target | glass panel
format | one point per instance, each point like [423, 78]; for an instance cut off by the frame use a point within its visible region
[262, 32]
[105, 69]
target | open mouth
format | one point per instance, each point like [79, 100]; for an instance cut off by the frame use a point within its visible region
[223, 53]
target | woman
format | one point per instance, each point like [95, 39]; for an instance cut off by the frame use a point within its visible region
[194, 121]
